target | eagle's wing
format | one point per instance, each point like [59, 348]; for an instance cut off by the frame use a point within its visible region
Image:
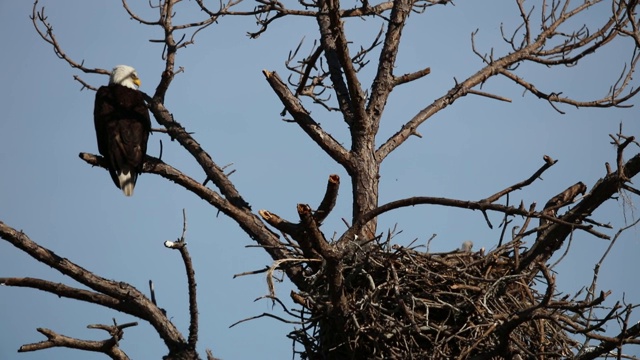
[122, 127]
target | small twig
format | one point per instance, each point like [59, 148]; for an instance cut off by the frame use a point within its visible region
[267, 315]
[152, 292]
[548, 162]
[254, 272]
[488, 95]
[505, 223]
[84, 84]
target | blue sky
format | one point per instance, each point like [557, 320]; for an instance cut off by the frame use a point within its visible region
[468, 151]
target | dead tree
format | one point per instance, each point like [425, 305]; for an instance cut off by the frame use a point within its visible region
[359, 297]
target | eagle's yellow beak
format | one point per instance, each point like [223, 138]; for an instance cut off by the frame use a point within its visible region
[137, 82]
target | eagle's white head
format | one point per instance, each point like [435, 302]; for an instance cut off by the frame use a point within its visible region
[124, 75]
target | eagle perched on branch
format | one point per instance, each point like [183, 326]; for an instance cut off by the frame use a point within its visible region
[122, 127]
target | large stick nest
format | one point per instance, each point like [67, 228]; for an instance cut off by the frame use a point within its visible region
[407, 304]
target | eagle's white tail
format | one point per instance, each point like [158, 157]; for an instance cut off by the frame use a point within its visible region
[127, 182]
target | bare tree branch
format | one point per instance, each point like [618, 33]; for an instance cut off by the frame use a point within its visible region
[384, 80]
[141, 306]
[304, 120]
[181, 245]
[45, 30]
[452, 95]
[330, 42]
[337, 37]
[136, 17]
[70, 292]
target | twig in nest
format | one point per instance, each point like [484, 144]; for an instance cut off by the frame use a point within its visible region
[275, 265]
[267, 315]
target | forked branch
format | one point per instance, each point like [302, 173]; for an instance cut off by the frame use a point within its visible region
[108, 346]
[552, 238]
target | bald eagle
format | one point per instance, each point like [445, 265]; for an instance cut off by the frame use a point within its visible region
[122, 127]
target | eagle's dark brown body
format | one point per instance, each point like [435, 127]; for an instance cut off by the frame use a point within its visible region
[122, 127]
